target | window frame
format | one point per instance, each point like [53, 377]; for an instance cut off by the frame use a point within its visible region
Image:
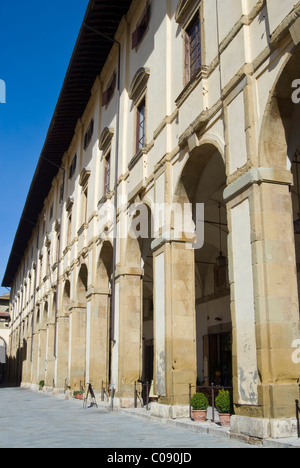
[142, 28]
[193, 53]
[107, 172]
[110, 90]
[88, 135]
[72, 168]
[141, 123]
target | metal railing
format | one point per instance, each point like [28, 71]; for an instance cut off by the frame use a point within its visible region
[211, 392]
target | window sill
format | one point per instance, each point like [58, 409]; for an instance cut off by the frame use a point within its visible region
[191, 85]
[137, 157]
[107, 196]
[82, 229]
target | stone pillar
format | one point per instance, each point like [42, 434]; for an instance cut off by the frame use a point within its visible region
[99, 337]
[265, 307]
[78, 345]
[62, 350]
[50, 357]
[174, 324]
[130, 333]
[27, 364]
[35, 352]
[42, 352]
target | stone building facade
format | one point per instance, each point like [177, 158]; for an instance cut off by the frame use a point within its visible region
[165, 206]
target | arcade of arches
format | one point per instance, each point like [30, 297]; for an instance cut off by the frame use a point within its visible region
[227, 312]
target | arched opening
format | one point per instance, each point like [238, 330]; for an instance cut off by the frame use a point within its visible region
[202, 183]
[2, 359]
[82, 284]
[66, 298]
[102, 358]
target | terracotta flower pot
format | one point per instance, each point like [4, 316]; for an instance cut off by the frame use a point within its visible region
[224, 419]
[200, 415]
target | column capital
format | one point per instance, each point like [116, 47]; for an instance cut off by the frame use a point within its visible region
[129, 271]
[258, 176]
[170, 237]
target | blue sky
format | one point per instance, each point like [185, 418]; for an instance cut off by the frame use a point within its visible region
[36, 43]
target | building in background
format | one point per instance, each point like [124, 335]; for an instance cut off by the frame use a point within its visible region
[4, 333]
[166, 248]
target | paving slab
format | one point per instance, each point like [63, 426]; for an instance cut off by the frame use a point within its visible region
[37, 420]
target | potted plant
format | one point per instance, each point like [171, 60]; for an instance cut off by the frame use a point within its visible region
[224, 406]
[78, 395]
[199, 404]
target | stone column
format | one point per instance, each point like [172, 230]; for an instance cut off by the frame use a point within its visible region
[130, 333]
[174, 324]
[27, 363]
[78, 345]
[99, 336]
[42, 353]
[265, 307]
[50, 357]
[63, 336]
[35, 352]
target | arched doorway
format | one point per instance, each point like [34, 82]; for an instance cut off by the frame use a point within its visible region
[202, 182]
[2, 360]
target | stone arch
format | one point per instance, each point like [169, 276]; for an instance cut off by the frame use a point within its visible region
[82, 283]
[193, 169]
[105, 266]
[66, 298]
[45, 316]
[202, 181]
[277, 130]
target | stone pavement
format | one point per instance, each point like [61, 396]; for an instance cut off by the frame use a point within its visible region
[37, 420]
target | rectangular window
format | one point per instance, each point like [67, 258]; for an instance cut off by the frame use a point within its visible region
[61, 193]
[193, 48]
[141, 29]
[51, 212]
[107, 170]
[84, 205]
[73, 167]
[141, 125]
[69, 228]
[108, 94]
[88, 135]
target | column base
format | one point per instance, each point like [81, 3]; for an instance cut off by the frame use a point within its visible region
[264, 428]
